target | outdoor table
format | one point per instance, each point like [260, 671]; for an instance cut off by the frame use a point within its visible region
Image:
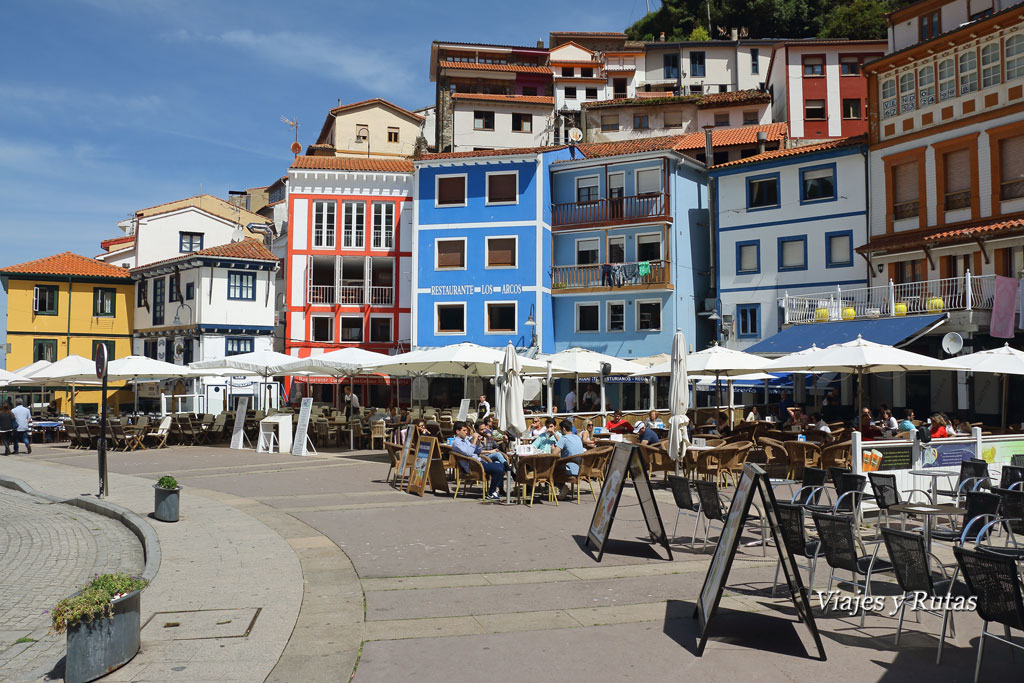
[48, 427]
[283, 423]
[928, 511]
[934, 474]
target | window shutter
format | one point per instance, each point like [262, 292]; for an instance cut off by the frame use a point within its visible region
[648, 181]
[35, 299]
[905, 182]
[501, 188]
[958, 170]
[451, 190]
[1011, 159]
[501, 252]
[450, 254]
[748, 258]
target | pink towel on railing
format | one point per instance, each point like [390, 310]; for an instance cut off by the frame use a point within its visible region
[1004, 307]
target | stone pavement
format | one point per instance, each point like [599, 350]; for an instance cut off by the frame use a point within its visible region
[48, 552]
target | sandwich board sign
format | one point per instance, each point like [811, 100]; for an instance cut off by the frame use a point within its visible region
[408, 447]
[625, 461]
[301, 437]
[753, 481]
[427, 469]
[238, 430]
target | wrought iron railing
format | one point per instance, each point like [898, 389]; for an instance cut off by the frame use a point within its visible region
[614, 275]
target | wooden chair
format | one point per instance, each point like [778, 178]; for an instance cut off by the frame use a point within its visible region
[707, 462]
[216, 431]
[775, 453]
[818, 436]
[158, 437]
[394, 451]
[837, 455]
[592, 465]
[737, 457]
[117, 438]
[378, 433]
[655, 459]
[475, 474]
[195, 431]
[801, 454]
[536, 469]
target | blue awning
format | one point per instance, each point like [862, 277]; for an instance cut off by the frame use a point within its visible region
[889, 331]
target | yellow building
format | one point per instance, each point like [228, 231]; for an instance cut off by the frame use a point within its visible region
[69, 304]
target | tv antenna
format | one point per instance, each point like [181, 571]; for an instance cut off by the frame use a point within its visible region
[296, 147]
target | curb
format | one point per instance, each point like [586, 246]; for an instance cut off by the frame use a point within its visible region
[136, 524]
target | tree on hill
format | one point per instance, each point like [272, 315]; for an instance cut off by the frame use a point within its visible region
[699, 34]
[863, 19]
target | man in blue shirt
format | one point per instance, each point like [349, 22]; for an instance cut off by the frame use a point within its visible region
[568, 445]
[646, 435]
[463, 445]
[22, 429]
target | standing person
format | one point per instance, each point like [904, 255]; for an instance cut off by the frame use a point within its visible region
[570, 401]
[7, 424]
[785, 403]
[591, 402]
[23, 420]
[351, 403]
[483, 408]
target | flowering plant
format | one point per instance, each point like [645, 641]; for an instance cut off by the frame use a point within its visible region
[94, 600]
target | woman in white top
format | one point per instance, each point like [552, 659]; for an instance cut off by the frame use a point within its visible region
[753, 415]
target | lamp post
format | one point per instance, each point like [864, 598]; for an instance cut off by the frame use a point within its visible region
[188, 337]
[531, 322]
[363, 133]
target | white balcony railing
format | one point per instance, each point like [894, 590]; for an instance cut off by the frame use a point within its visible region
[350, 295]
[321, 294]
[963, 293]
[382, 296]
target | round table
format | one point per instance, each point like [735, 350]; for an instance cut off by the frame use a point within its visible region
[934, 474]
[928, 511]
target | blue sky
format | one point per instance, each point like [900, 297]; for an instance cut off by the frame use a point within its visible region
[108, 106]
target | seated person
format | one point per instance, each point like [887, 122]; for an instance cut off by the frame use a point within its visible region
[587, 435]
[820, 423]
[568, 445]
[618, 425]
[958, 426]
[753, 415]
[646, 435]
[938, 428]
[547, 439]
[723, 426]
[51, 410]
[797, 418]
[907, 423]
[483, 437]
[536, 428]
[654, 421]
[462, 445]
[418, 426]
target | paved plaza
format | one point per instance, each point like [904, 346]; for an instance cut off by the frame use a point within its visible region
[348, 573]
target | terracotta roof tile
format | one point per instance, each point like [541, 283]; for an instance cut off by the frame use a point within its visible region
[943, 235]
[796, 151]
[247, 248]
[728, 137]
[490, 153]
[67, 263]
[513, 48]
[204, 202]
[114, 241]
[710, 100]
[515, 99]
[633, 146]
[518, 68]
[376, 100]
[353, 164]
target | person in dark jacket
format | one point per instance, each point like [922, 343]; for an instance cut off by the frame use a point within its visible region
[7, 425]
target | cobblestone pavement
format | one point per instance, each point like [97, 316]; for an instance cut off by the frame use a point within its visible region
[46, 552]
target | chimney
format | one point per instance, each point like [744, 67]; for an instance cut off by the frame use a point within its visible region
[540, 43]
[339, 101]
[762, 137]
[735, 33]
[709, 148]
[661, 38]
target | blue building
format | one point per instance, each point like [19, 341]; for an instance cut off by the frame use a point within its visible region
[482, 248]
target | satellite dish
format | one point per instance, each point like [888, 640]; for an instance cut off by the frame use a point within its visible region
[952, 343]
[296, 148]
[575, 134]
[238, 235]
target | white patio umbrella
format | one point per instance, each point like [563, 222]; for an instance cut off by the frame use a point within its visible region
[29, 370]
[579, 362]
[510, 413]
[339, 363]
[71, 370]
[1004, 361]
[718, 361]
[678, 398]
[257, 363]
[7, 377]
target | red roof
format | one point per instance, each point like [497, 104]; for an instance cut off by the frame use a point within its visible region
[114, 241]
[376, 100]
[490, 153]
[795, 151]
[944, 234]
[519, 68]
[353, 164]
[721, 137]
[514, 99]
[247, 248]
[708, 101]
[632, 146]
[67, 263]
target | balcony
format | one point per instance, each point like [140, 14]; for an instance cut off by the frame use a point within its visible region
[964, 293]
[619, 276]
[350, 295]
[618, 211]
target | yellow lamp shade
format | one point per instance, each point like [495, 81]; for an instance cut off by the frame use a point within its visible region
[849, 313]
[900, 309]
[820, 314]
[935, 305]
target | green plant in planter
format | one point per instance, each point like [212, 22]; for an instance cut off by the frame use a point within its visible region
[94, 600]
[167, 482]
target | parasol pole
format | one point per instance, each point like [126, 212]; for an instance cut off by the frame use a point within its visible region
[1006, 389]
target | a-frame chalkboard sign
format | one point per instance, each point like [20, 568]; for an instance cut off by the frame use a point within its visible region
[753, 479]
[428, 468]
[625, 460]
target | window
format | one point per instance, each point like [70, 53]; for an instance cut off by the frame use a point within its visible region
[502, 188]
[722, 119]
[648, 316]
[104, 342]
[640, 122]
[451, 190]
[450, 318]
[151, 349]
[187, 349]
[648, 247]
[483, 120]
[591, 93]
[968, 72]
[814, 66]
[929, 26]
[889, 108]
[174, 287]
[351, 328]
[353, 224]
[990, 65]
[587, 252]
[648, 181]
[814, 110]
[158, 301]
[586, 72]
[763, 192]
[44, 349]
[748, 257]
[609, 122]
[849, 66]
[588, 317]
[817, 183]
[568, 72]
[748, 318]
[673, 119]
[793, 253]
[189, 242]
[142, 293]
[671, 65]
[570, 93]
[616, 249]
[501, 252]
[1011, 168]
[501, 317]
[750, 118]
[392, 134]
[103, 302]
[755, 68]
[586, 190]
[1014, 57]
[522, 123]
[324, 224]
[44, 300]
[616, 316]
[383, 225]
[241, 286]
[616, 186]
[838, 249]
[529, 91]
[926, 86]
[380, 329]
[450, 254]
[695, 89]
[234, 346]
[947, 79]
[697, 65]
[957, 171]
[851, 109]
[723, 156]
[907, 93]
[905, 190]
[190, 291]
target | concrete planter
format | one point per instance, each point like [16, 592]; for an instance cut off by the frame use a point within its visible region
[97, 647]
[165, 507]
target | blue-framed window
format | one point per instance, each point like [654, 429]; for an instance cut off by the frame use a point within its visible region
[763, 192]
[748, 321]
[189, 242]
[839, 249]
[818, 184]
[190, 291]
[793, 253]
[241, 286]
[158, 300]
[697, 64]
[748, 257]
[755, 67]
[236, 345]
[173, 287]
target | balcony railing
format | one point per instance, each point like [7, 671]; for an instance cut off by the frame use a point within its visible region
[350, 295]
[611, 211]
[321, 294]
[612, 276]
[382, 296]
[964, 293]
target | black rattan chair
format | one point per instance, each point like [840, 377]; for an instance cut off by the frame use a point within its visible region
[1017, 460]
[1010, 475]
[994, 581]
[981, 508]
[973, 474]
[713, 510]
[849, 493]
[684, 502]
[811, 487]
[834, 472]
[910, 564]
[1011, 521]
[794, 536]
[843, 550]
[887, 494]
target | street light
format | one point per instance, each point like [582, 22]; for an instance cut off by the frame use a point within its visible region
[363, 133]
[532, 324]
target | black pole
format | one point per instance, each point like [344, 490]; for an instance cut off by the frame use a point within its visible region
[101, 446]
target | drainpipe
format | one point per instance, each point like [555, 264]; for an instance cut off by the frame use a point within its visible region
[68, 342]
[712, 208]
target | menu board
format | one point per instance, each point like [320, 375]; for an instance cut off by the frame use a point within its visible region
[302, 428]
[652, 516]
[238, 431]
[407, 447]
[420, 472]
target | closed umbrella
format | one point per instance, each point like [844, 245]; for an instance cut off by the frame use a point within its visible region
[510, 415]
[1005, 361]
[678, 398]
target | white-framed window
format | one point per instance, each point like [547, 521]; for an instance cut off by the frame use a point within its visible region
[450, 253]
[588, 316]
[450, 190]
[587, 189]
[616, 249]
[889, 107]
[351, 329]
[381, 329]
[648, 181]
[321, 328]
[947, 79]
[750, 118]
[968, 72]
[926, 85]
[908, 96]
[323, 224]
[449, 318]
[648, 315]
[588, 251]
[500, 317]
[502, 188]
[616, 185]
[990, 65]
[353, 224]
[648, 247]
[502, 251]
[383, 225]
[616, 316]
[1014, 50]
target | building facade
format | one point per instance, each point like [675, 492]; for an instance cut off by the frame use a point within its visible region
[491, 121]
[371, 128]
[694, 68]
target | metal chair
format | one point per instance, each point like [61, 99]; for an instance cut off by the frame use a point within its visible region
[683, 497]
[981, 506]
[887, 494]
[794, 536]
[811, 487]
[1010, 520]
[973, 474]
[713, 510]
[1010, 475]
[843, 550]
